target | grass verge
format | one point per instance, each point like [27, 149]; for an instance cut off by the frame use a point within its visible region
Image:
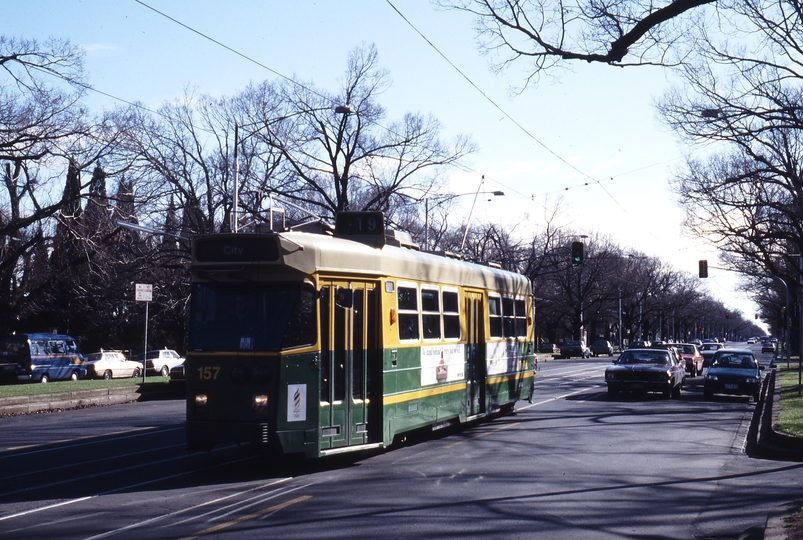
[790, 415]
[29, 389]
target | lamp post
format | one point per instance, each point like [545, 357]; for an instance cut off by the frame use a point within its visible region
[235, 221]
[449, 197]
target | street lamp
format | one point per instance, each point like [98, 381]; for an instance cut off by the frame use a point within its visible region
[235, 226]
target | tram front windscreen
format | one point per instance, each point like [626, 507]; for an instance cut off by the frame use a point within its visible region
[252, 316]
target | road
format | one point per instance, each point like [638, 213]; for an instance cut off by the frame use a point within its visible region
[574, 463]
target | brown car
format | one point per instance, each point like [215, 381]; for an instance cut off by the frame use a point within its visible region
[692, 358]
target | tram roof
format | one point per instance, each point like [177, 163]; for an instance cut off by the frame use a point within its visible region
[328, 254]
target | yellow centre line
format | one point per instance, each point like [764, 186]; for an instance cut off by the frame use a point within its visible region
[481, 435]
[228, 524]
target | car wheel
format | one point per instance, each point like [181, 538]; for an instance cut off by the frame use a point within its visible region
[44, 378]
[107, 375]
[165, 371]
[756, 397]
[667, 394]
[74, 376]
[612, 391]
[137, 373]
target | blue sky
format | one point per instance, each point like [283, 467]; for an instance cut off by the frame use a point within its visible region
[598, 119]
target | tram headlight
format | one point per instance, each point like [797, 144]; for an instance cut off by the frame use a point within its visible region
[201, 399]
[260, 400]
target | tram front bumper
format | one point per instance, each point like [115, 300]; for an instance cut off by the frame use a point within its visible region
[203, 435]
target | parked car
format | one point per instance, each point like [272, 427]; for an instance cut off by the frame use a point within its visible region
[692, 358]
[111, 365]
[733, 371]
[160, 361]
[638, 345]
[551, 348]
[602, 348]
[752, 340]
[575, 348]
[645, 370]
[40, 357]
[178, 376]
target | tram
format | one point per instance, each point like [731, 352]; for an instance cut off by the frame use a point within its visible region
[316, 340]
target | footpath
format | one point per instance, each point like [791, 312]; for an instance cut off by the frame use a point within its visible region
[60, 401]
[772, 444]
[763, 440]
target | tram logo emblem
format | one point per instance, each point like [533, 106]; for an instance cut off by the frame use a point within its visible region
[296, 402]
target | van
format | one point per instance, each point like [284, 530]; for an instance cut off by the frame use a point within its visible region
[40, 357]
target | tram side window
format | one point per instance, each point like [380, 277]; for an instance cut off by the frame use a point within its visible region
[451, 315]
[407, 302]
[508, 317]
[431, 313]
[521, 318]
[495, 315]
[301, 328]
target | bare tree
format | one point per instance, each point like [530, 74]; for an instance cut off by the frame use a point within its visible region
[746, 195]
[334, 151]
[43, 132]
[544, 34]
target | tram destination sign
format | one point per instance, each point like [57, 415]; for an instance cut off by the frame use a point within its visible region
[236, 248]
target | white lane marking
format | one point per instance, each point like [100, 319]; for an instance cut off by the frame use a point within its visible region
[189, 508]
[48, 507]
[89, 439]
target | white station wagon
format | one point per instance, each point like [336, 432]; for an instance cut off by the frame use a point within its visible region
[161, 361]
[110, 365]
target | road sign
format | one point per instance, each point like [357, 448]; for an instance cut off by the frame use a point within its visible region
[144, 292]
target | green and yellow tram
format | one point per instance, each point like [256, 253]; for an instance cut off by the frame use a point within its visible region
[318, 342]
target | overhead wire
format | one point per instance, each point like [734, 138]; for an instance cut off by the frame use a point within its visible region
[500, 109]
[435, 48]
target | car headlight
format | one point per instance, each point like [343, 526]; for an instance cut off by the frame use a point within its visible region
[711, 378]
[610, 376]
[750, 380]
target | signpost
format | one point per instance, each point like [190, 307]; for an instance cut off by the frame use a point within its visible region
[144, 293]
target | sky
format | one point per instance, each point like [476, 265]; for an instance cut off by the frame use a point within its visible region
[588, 139]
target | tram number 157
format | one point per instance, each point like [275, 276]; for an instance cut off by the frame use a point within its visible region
[208, 373]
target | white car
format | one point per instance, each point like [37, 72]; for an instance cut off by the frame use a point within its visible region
[110, 365]
[161, 361]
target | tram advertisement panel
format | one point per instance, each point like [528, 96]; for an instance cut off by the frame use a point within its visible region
[503, 357]
[442, 363]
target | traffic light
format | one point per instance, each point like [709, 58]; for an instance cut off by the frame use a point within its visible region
[703, 269]
[727, 315]
[577, 253]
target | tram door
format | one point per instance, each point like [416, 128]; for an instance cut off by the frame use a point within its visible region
[349, 333]
[475, 354]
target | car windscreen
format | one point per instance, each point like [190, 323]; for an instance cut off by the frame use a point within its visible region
[741, 361]
[644, 357]
[252, 316]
